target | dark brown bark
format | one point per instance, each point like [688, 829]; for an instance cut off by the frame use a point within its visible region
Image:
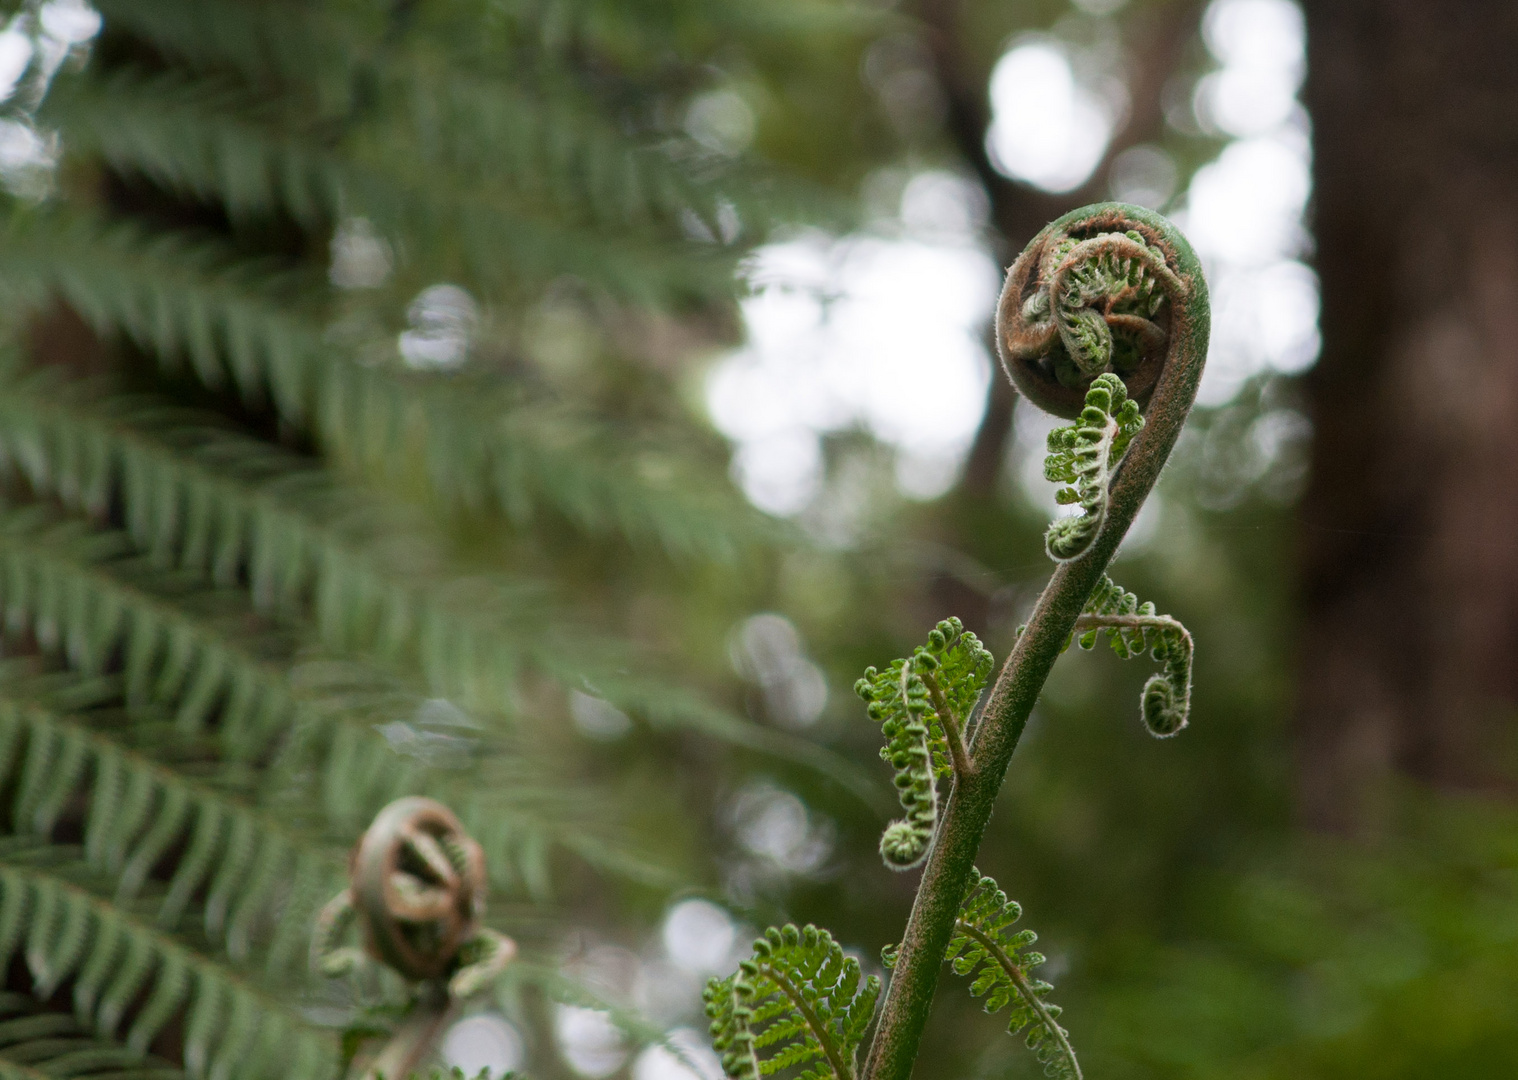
[1409, 664]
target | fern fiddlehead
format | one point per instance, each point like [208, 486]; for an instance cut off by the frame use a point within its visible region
[922, 703]
[797, 1002]
[1107, 290]
[1133, 628]
[417, 893]
[1082, 302]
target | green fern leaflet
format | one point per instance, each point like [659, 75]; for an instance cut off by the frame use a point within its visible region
[922, 704]
[1084, 455]
[985, 947]
[1133, 628]
[797, 1002]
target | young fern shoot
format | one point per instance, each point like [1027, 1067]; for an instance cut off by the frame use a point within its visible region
[922, 703]
[1104, 321]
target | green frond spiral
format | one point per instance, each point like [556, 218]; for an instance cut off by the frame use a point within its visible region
[1084, 455]
[231, 1030]
[985, 947]
[1125, 281]
[922, 703]
[1088, 305]
[1133, 628]
[798, 1002]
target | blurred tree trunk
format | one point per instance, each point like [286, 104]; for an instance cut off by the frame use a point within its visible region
[1410, 525]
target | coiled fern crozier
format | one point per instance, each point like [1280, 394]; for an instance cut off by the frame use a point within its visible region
[1104, 321]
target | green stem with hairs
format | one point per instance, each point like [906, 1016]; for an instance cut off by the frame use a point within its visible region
[972, 797]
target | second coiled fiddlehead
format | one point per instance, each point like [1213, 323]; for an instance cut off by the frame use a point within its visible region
[417, 894]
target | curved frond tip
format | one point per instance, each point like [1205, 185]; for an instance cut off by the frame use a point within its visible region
[1084, 455]
[1133, 628]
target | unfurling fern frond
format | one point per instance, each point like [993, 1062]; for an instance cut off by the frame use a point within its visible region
[922, 704]
[797, 1002]
[1084, 455]
[985, 947]
[1133, 628]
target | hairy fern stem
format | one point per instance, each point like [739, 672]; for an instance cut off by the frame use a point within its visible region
[1115, 260]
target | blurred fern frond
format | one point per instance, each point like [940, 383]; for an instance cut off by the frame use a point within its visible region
[374, 578]
[263, 570]
[257, 871]
[474, 442]
[40, 1042]
[111, 957]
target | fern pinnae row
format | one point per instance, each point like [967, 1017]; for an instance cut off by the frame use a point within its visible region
[1029, 992]
[138, 808]
[983, 940]
[799, 998]
[222, 505]
[61, 918]
[76, 588]
[469, 440]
